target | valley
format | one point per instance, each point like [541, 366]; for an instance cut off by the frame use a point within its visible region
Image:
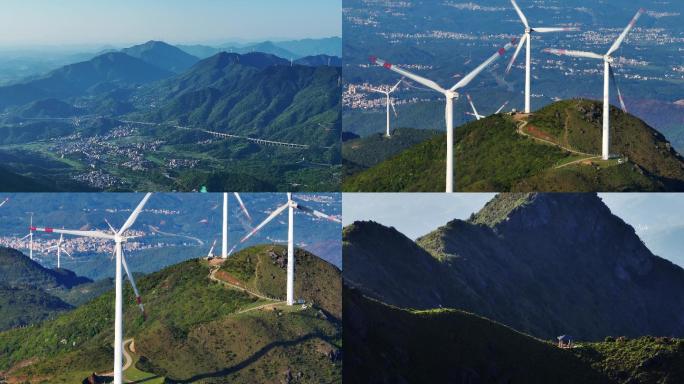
[153, 117]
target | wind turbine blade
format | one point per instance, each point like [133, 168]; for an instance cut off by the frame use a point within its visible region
[242, 205]
[419, 79]
[565, 52]
[470, 101]
[96, 234]
[501, 108]
[374, 89]
[138, 299]
[624, 33]
[517, 52]
[4, 201]
[110, 226]
[318, 214]
[520, 14]
[617, 87]
[67, 252]
[394, 88]
[263, 223]
[555, 29]
[134, 215]
[469, 77]
[25, 237]
[393, 109]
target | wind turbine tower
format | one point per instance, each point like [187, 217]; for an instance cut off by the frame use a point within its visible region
[118, 237]
[389, 102]
[526, 39]
[607, 74]
[450, 95]
[224, 241]
[290, 205]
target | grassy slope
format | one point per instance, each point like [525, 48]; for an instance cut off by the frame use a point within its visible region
[314, 280]
[644, 360]
[491, 156]
[446, 345]
[193, 331]
[21, 306]
[371, 150]
[388, 344]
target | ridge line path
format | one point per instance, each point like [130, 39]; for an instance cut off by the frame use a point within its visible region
[127, 357]
[520, 129]
[212, 276]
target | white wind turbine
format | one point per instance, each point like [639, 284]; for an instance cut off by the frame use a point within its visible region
[290, 205]
[119, 237]
[528, 56]
[211, 250]
[450, 94]
[59, 248]
[389, 102]
[607, 74]
[224, 244]
[475, 113]
[30, 236]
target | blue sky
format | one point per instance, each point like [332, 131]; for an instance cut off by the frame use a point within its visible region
[91, 22]
[657, 217]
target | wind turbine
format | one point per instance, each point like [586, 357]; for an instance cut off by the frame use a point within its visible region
[528, 56]
[119, 237]
[607, 74]
[475, 113]
[211, 250]
[224, 244]
[59, 248]
[450, 94]
[30, 236]
[389, 102]
[290, 205]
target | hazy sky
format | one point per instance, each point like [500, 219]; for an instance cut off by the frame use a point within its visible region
[657, 217]
[90, 22]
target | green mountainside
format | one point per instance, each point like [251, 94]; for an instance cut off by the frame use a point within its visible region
[254, 94]
[368, 151]
[544, 264]
[204, 324]
[30, 293]
[385, 344]
[554, 150]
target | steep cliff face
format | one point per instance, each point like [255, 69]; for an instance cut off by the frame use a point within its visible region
[545, 264]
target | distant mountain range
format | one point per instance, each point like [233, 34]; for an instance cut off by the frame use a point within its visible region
[544, 264]
[162, 55]
[254, 95]
[554, 150]
[290, 50]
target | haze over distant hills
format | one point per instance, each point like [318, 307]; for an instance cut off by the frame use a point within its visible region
[156, 92]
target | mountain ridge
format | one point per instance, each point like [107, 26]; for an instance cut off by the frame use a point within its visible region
[504, 153]
[545, 264]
